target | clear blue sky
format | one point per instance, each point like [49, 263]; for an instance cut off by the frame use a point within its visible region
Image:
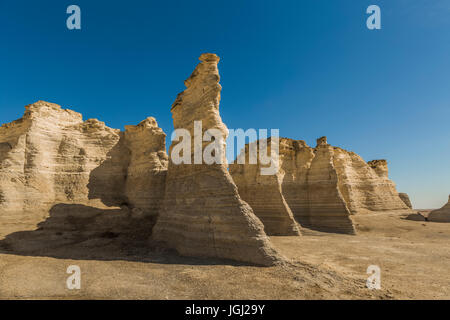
[309, 68]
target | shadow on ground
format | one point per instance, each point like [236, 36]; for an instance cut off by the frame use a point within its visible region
[79, 232]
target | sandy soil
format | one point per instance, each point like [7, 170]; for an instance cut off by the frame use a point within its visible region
[414, 258]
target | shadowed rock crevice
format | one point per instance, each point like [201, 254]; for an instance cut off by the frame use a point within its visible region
[107, 181]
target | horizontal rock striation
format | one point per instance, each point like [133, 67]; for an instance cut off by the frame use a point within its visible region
[366, 186]
[310, 186]
[147, 168]
[324, 186]
[51, 156]
[327, 209]
[202, 214]
[263, 194]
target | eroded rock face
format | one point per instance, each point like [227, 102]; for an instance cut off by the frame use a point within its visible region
[325, 185]
[263, 193]
[311, 187]
[51, 156]
[380, 167]
[147, 168]
[327, 209]
[365, 186]
[405, 199]
[295, 161]
[442, 214]
[306, 185]
[202, 214]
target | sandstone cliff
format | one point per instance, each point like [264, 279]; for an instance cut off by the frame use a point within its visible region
[442, 214]
[202, 213]
[51, 156]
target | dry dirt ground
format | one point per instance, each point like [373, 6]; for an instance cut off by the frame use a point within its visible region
[414, 258]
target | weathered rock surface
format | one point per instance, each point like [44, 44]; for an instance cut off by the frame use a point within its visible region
[147, 168]
[51, 156]
[310, 186]
[324, 186]
[442, 214]
[327, 210]
[263, 193]
[202, 213]
[405, 199]
[365, 186]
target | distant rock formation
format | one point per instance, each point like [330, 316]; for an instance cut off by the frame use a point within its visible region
[366, 186]
[323, 186]
[306, 185]
[326, 207]
[405, 199]
[52, 156]
[442, 214]
[310, 186]
[263, 193]
[202, 214]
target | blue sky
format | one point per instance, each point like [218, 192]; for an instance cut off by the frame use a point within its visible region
[308, 68]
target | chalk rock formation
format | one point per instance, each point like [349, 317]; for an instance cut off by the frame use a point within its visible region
[202, 213]
[327, 209]
[263, 192]
[48, 157]
[306, 183]
[310, 186]
[295, 161]
[52, 156]
[442, 214]
[365, 186]
[147, 168]
[405, 199]
[380, 167]
[324, 186]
